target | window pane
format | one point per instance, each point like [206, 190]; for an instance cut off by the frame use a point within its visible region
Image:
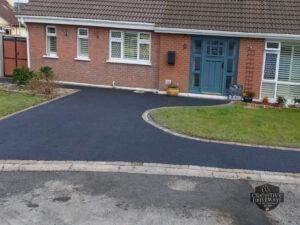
[116, 34]
[221, 51]
[51, 44]
[198, 47]
[130, 45]
[267, 90]
[270, 66]
[83, 32]
[288, 91]
[83, 47]
[197, 63]
[144, 36]
[231, 48]
[144, 51]
[285, 62]
[196, 80]
[116, 49]
[229, 65]
[273, 45]
[295, 71]
[51, 30]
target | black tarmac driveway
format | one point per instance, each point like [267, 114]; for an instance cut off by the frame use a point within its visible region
[106, 125]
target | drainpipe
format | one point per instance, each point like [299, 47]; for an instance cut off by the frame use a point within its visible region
[1, 54]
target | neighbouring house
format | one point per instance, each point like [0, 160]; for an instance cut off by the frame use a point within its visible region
[8, 21]
[126, 43]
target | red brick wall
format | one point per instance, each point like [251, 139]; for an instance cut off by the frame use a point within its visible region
[251, 55]
[178, 73]
[97, 71]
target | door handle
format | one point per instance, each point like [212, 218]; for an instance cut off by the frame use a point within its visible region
[222, 65]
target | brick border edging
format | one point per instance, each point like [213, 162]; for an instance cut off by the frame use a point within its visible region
[148, 168]
[147, 118]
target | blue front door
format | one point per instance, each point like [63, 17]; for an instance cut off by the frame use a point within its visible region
[213, 64]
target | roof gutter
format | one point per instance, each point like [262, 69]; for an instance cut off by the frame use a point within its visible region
[226, 33]
[86, 22]
[149, 26]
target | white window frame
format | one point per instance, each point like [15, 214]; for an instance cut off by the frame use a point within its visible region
[83, 58]
[121, 40]
[49, 54]
[275, 81]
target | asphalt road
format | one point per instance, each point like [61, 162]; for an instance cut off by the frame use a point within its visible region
[106, 125]
[117, 198]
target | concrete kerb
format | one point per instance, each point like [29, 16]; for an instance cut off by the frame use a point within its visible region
[149, 168]
[147, 118]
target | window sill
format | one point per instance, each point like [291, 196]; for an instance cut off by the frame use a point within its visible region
[129, 62]
[82, 59]
[50, 56]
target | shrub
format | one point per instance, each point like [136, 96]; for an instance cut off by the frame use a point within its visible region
[43, 82]
[297, 101]
[281, 100]
[265, 100]
[22, 75]
[46, 72]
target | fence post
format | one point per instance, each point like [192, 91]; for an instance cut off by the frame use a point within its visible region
[1, 54]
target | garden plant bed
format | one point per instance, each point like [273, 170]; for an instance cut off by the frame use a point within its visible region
[266, 105]
[264, 126]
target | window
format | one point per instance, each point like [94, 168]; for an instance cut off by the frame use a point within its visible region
[281, 74]
[83, 43]
[129, 46]
[51, 40]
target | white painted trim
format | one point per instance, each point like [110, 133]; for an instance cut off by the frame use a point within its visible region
[87, 22]
[78, 43]
[28, 49]
[87, 59]
[51, 56]
[226, 33]
[129, 62]
[138, 61]
[156, 91]
[149, 26]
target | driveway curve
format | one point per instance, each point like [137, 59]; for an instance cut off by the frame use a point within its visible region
[106, 125]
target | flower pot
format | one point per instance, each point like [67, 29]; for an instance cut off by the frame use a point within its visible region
[172, 91]
[248, 99]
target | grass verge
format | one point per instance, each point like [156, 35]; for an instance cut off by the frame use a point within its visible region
[13, 102]
[275, 127]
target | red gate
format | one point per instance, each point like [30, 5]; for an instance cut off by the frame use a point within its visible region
[14, 53]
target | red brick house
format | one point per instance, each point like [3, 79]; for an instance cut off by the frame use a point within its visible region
[126, 43]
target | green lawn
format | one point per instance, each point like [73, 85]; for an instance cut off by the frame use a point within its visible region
[277, 127]
[12, 102]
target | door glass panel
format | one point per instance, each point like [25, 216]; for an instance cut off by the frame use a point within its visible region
[214, 50]
[197, 63]
[229, 65]
[215, 42]
[231, 48]
[198, 47]
[196, 80]
[208, 50]
[228, 82]
[221, 51]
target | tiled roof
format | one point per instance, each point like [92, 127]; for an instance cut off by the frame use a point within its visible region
[251, 16]
[7, 13]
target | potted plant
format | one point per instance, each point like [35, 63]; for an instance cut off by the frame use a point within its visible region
[172, 90]
[248, 96]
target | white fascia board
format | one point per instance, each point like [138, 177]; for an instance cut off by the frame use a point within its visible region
[86, 22]
[226, 33]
